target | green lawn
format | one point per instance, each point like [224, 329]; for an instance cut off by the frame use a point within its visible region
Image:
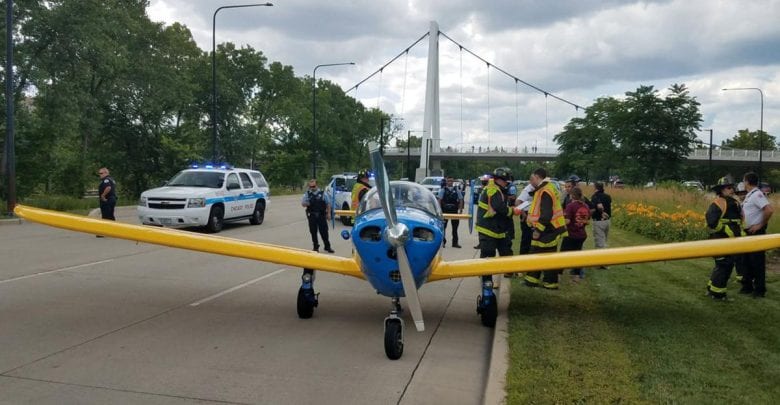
[643, 334]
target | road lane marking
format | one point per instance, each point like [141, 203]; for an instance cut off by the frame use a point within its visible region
[55, 271]
[230, 290]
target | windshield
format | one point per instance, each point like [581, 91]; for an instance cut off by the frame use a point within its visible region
[431, 180]
[197, 179]
[405, 194]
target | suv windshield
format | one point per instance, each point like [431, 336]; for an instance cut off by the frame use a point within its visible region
[197, 179]
[432, 180]
[406, 195]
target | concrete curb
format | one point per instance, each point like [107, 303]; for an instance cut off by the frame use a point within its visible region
[495, 389]
[10, 221]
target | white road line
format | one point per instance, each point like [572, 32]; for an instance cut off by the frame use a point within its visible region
[230, 290]
[55, 271]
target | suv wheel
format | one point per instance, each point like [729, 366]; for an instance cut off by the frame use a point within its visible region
[259, 213]
[216, 219]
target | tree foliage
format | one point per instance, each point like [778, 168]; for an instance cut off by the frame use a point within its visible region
[752, 140]
[99, 84]
[642, 137]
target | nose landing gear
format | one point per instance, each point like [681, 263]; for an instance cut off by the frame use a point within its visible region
[394, 332]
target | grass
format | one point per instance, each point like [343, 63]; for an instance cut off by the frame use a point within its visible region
[643, 334]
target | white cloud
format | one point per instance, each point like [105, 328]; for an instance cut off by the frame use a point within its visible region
[577, 49]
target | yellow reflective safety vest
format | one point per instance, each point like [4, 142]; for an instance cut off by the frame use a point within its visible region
[724, 218]
[551, 224]
[357, 189]
[493, 215]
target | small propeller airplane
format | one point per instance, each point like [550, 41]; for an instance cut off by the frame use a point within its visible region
[397, 238]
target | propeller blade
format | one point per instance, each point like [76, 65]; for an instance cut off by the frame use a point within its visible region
[410, 289]
[382, 184]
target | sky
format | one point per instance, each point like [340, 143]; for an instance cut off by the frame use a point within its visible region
[579, 50]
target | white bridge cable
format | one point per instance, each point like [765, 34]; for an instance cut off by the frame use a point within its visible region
[403, 93]
[488, 102]
[405, 51]
[545, 92]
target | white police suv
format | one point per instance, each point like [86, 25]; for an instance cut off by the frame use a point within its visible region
[340, 190]
[206, 196]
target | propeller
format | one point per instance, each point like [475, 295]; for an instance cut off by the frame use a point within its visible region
[397, 234]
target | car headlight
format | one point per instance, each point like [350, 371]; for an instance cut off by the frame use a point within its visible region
[142, 201]
[196, 203]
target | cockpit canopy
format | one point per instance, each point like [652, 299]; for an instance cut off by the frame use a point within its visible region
[405, 194]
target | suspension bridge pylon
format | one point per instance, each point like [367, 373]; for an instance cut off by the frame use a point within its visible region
[431, 139]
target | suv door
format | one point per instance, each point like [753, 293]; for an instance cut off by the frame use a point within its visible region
[233, 203]
[248, 198]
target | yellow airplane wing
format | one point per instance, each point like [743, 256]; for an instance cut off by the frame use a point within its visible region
[350, 213]
[192, 241]
[602, 257]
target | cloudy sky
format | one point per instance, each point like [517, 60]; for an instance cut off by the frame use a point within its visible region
[578, 50]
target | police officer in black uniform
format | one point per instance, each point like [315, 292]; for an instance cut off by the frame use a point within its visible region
[451, 201]
[107, 194]
[317, 210]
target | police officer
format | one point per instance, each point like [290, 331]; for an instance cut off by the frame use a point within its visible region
[107, 195]
[724, 220]
[317, 212]
[451, 201]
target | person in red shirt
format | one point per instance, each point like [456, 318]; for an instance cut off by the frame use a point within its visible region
[577, 214]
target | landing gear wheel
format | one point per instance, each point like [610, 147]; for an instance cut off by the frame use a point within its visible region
[345, 220]
[259, 213]
[306, 303]
[216, 219]
[394, 339]
[488, 312]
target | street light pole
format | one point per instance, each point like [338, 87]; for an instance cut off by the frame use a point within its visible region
[10, 153]
[761, 128]
[709, 163]
[314, 114]
[214, 72]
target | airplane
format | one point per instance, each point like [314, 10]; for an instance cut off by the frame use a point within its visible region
[397, 238]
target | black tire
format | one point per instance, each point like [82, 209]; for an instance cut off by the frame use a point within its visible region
[394, 339]
[216, 219]
[305, 306]
[346, 221]
[490, 313]
[259, 213]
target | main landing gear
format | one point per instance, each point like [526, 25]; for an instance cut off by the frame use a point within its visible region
[307, 298]
[394, 332]
[487, 305]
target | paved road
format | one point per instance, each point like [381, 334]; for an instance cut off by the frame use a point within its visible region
[86, 320]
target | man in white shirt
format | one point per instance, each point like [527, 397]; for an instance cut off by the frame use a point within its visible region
[756, 212]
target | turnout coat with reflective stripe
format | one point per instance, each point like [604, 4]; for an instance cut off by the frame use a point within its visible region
[546, 216]
[493, 215]
[724, 218]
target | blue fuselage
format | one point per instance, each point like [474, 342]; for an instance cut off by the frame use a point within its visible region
[378, 260]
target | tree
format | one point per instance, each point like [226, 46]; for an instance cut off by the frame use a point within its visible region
[643, 137]
[751, 140]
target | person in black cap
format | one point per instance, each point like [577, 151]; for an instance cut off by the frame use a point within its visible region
[317, 212]
[601, 212]
[724, 220]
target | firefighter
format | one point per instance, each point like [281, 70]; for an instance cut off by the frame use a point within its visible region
[360, 189]
[545, 217]
[494, 218]
[724, 220]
